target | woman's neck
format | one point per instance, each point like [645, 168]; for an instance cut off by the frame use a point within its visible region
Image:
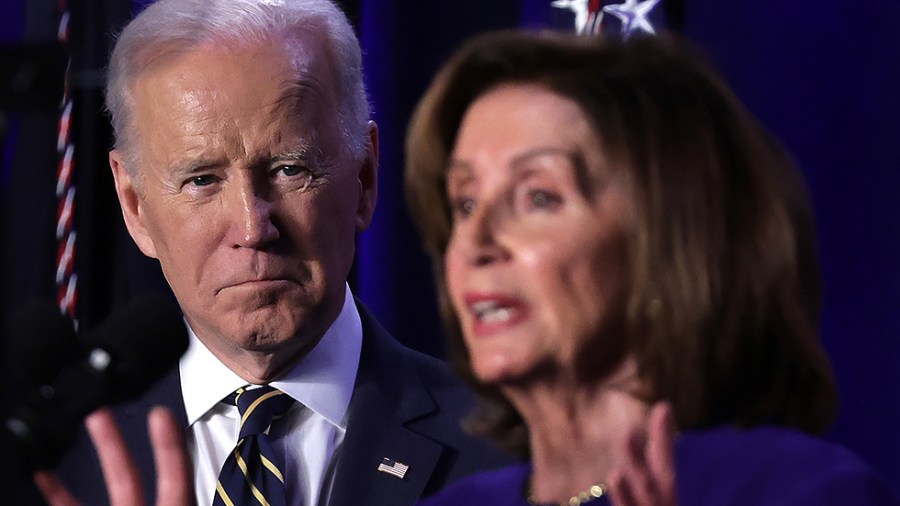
[578, 433]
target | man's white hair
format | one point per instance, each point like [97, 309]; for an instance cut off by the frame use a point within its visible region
[173, 26]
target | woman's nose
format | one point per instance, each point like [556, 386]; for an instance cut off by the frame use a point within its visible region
[485, 232]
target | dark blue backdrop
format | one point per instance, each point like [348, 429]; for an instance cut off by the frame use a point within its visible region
[824, 76]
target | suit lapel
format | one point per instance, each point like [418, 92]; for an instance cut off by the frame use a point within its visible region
[165, 392]
[388, 394]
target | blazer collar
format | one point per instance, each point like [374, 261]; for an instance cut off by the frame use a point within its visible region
[389, 394]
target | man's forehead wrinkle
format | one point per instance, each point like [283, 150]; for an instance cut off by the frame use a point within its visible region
[298, 94]
[297, 111]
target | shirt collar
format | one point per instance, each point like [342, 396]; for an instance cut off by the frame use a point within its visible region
[322, 381]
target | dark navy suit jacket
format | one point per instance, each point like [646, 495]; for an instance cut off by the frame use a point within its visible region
[405, 406]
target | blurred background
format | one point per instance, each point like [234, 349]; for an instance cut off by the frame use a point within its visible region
[823, 76]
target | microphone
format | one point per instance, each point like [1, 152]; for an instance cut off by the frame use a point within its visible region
[41, 342]
[125, 355]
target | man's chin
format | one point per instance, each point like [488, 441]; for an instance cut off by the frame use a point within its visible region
[262, 355]
[273, 329]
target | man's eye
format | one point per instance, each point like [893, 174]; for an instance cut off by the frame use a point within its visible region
[293, 176]
[204, 180]
[291, 170]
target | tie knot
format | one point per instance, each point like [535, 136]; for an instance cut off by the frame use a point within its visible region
[259, 407]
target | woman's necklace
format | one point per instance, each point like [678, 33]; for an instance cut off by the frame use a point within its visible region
[595, 492]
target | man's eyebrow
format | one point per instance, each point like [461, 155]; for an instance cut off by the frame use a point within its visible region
[195, 166]
[303, 151]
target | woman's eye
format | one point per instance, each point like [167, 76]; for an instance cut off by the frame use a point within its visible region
[462, 207]
[543, 199]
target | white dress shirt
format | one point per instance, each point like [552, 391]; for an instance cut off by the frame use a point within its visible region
[309, 434]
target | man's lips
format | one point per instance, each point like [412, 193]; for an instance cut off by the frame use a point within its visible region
[256, 283]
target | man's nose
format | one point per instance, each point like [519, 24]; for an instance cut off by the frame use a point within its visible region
[253, 224]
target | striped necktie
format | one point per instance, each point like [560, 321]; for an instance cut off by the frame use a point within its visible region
[252, 473]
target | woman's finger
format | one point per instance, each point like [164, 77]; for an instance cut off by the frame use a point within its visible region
[637, 474]
[647, 476]
[660, 455]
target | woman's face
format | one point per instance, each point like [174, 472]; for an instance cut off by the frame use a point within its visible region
[535, 265]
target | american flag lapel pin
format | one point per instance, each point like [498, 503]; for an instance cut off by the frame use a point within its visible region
[393, 468]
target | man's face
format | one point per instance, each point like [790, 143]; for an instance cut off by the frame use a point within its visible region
[247, 197]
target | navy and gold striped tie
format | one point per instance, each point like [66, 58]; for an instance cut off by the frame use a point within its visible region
[252, 473]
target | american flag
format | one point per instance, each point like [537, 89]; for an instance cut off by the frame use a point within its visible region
[393, 467]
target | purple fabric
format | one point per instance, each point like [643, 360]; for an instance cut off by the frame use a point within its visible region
[768, 466]
[504, 487]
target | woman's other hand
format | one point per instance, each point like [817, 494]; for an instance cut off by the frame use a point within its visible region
[648, 476]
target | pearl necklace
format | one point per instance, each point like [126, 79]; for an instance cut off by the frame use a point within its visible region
[595, 492]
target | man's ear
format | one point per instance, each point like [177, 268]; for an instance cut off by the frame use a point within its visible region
[130, 201]
[368, 181]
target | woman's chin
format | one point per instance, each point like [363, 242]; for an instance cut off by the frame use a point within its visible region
[498, 369]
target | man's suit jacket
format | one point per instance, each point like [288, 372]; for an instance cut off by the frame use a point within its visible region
[405, 406]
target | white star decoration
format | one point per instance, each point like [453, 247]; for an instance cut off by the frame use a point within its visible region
[633, 14]
[579, 7]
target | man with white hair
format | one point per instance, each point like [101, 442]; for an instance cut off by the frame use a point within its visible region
[245, 162]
